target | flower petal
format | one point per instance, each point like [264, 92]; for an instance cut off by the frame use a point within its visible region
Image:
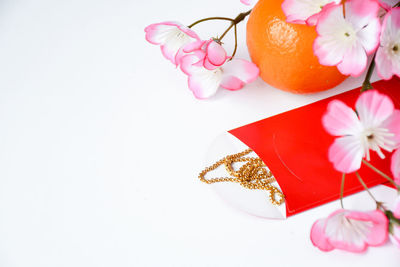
[373, 108]
[368, 36]
[196, 45]
[342, 233]
[158, 32]
[330, 52]
[388, 54]
[329, 49]
[170, 50]
[354, 61]
[179, 55]
[394, 17]
[312, 21]
[347, 234]
[189, 32]
[171, 36]
[318, 237]
[361, 12]
[379, 231]
[392, 124]
[189, 61]
[216, 54]
[208, 65]
[231, 83]
[331, 20]
[396, 209]
[346, 154]
[350, 230]
[248, 2]
[395, 167]
[383, 64]
[244, 70]
[204, 83]
[395, 237]
[340, 119]
[300, 11]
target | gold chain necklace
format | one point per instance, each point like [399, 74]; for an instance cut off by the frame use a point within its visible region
[252, 175]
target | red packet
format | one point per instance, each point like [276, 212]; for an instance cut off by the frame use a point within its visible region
[294, 146]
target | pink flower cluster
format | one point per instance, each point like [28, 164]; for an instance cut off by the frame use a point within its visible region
[373, 126]
[350, 230]
[354, 231]
[205, 62]
[349, 32]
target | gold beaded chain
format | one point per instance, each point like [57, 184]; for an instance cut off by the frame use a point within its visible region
[252, 175]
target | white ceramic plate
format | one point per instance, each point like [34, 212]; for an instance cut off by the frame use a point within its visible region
[254, 202]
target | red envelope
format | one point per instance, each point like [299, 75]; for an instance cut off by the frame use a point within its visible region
[294, 146]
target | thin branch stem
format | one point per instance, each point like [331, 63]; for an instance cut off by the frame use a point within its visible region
[381, 173]
[367, 189]
[233, 24]
[367, 84]
[234, 50]
[341, 190]
[210, 18]
[227, 30]
[238, 19]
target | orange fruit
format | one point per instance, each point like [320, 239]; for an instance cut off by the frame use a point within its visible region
[284, 51]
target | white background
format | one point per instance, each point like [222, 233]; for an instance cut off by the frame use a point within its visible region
[101, 143]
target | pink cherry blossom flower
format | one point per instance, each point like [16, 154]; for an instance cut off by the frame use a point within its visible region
[210, 53]
[350, 230]
[395, 166]
[171, 36]
[395, 226]
[376, 127]
[208, 69]
[345, 41]
[304, 11]
[388, 55]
